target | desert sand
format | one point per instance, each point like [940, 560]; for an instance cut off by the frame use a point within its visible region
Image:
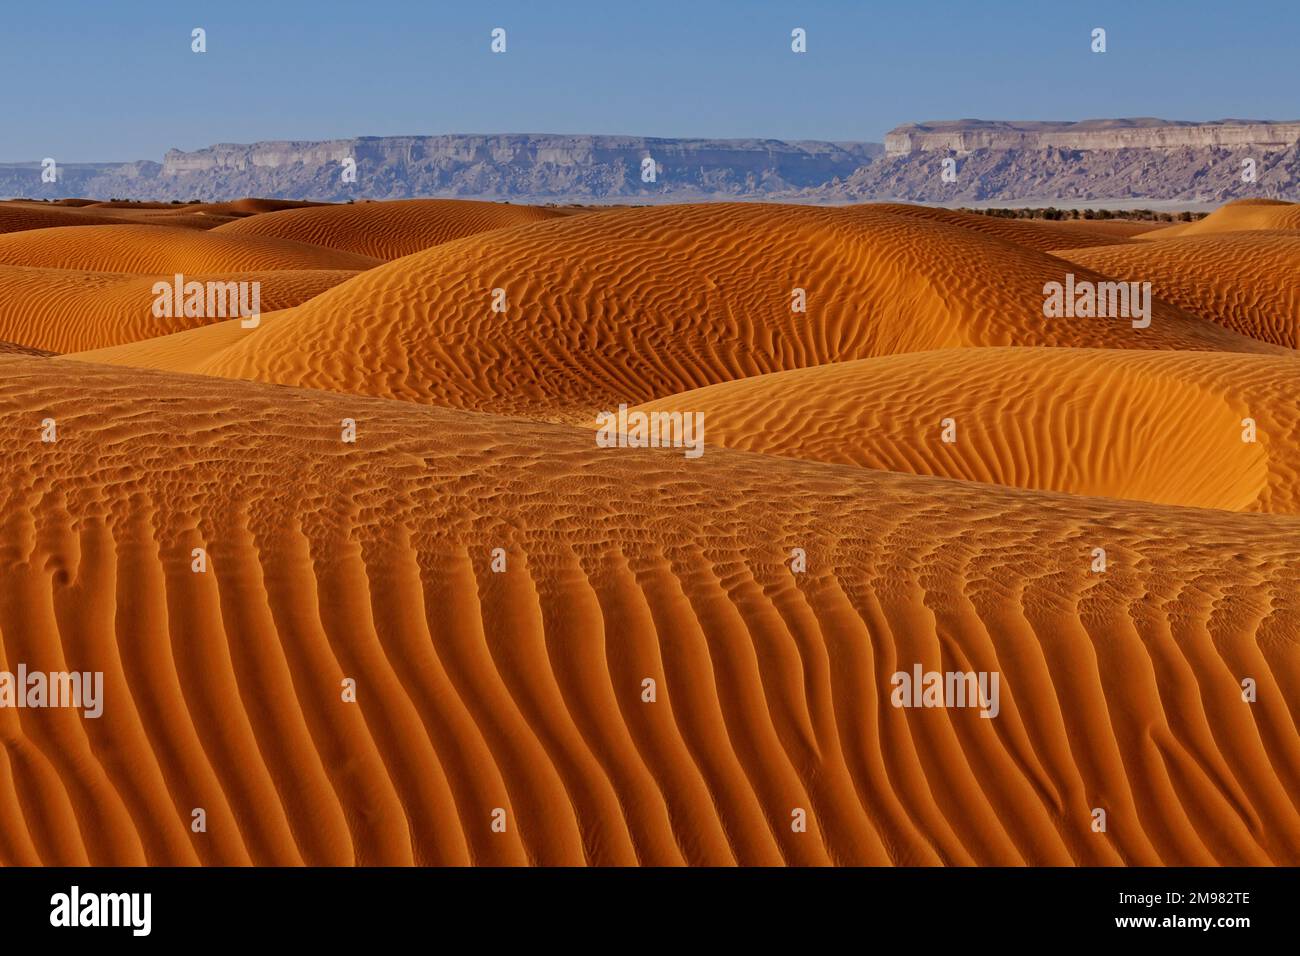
[398, 495]
[17, 215]
[71, 310]
[388, 230]
[635, 304]
[1110, 434]
[165, 249]
[1245, 280]
[1242, 215]
[1035, 234]
[20, 216]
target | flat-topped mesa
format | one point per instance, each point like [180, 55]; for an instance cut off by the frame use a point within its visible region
[964, 136]
[798, 162]
[238, 156]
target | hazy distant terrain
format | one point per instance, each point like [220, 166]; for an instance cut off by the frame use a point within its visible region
[515, 166]
[1096, 159]
[993, 161]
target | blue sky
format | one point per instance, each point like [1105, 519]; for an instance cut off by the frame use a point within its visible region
[115, 79]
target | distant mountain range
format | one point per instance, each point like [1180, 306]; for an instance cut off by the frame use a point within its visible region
[987, 162]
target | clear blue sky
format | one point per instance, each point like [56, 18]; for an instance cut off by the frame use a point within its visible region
[111, 80]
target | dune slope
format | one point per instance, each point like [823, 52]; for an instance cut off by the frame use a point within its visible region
[523, 689]
[1237, 216]
[143, 249]
[1165, 427]
[560, 319]
[66, 310]
[1038, 234]
[388, 230]
[21, 216]
[1245, 281]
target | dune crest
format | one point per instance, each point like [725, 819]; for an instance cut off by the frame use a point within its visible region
[1241, 215]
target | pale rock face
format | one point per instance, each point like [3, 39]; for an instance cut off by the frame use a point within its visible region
[259, 155]
[548, 159]
[964, 136]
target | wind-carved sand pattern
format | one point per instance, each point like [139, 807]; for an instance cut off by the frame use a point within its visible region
[364, 588]
[635, 304]
[389, 230]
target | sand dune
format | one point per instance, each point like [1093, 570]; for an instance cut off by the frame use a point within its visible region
[635, 304]
[389, 230]
[1164, 427]
[484, 689]
[1241, 215]
[177, 352]
[252, 206]
[66, 310]
[203, 215]
[523, 689]
[20, 217]
[1245, 281]
[235, 207]
[1100, 228]
[165, 250]
[132, 205]
[1038, 234]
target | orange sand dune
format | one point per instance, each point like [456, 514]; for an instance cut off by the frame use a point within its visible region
[523, 690]
[1165, 427]
[1115, 229]
[65, 310]
[251, 206]
[254, 204]
[1245, 281]
[635, 304]
[177, 352]
[165, 250]
[389, 230]
[179, 217]
[483, 689]
[1243, 214]
[1043, 235]
[200, 221]
[21, 216]
[205, 215]
[135, 204]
